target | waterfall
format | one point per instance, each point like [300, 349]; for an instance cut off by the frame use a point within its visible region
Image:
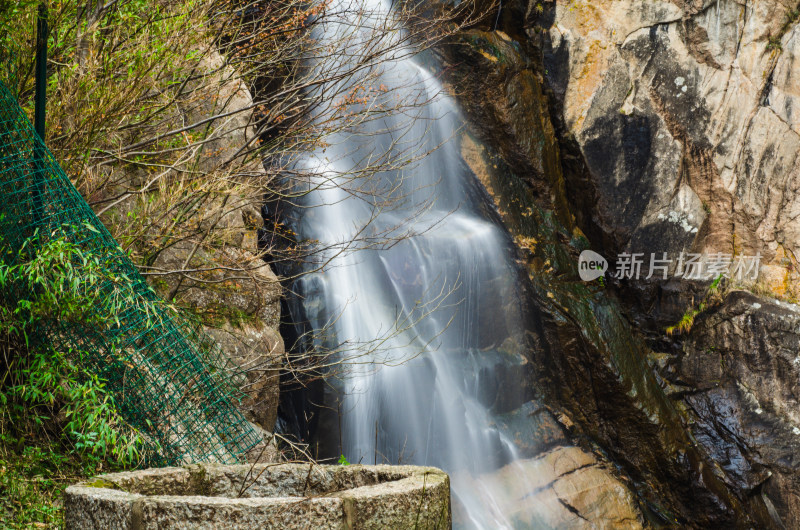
[416, 287]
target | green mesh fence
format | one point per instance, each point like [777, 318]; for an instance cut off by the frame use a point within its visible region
[169, 380]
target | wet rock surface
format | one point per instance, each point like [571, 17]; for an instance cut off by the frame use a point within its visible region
[739, 372]
[680, 113]
[565, 488]
[501, 92]
[695, 453]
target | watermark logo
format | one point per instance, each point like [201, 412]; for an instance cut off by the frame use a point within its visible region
[686, 265]
[591, 265]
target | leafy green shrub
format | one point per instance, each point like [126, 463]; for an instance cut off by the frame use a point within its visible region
[775, 43]
[57, 422]
[51, 390]
[39, 383]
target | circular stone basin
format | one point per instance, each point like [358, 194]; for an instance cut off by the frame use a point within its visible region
[285, 496]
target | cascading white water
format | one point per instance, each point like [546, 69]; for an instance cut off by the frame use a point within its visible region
[440, 301]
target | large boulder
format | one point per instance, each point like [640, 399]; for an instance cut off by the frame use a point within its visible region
[566, 487]
[237, 297]
[193, 229]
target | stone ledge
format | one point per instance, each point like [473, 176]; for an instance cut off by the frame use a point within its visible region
[285, 496]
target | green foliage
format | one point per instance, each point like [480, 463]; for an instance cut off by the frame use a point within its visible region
[343, 461]
[792, 15]
[112, 69]
[40, 383]
[58, 422]
[684, 325]
[69, 285]
[686, 322]
[714, 287]
[775, 43]
[92, 422]
[31, 482]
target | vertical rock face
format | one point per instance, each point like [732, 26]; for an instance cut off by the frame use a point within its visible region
[664, 139]
[503, 93]
[685, 114]
[581, 343]
[740, 374]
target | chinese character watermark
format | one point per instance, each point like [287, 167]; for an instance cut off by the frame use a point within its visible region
[688, 265]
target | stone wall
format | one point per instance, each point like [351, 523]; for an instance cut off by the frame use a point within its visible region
[269, 496]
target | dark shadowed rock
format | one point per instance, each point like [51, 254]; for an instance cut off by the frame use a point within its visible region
[740, 369]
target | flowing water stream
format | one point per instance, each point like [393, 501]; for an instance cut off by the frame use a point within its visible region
[419, 291]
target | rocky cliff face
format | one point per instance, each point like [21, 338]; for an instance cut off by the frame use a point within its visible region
[739, 374]
[683, 112]
[215, 274]
[651, 127]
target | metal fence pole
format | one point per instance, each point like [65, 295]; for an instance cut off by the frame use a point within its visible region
[39, 111]
[41, 71]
